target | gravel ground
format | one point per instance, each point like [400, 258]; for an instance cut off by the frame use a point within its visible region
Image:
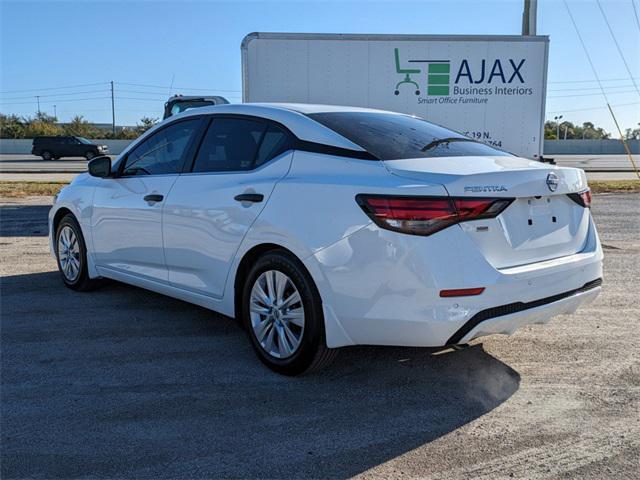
[124, 383]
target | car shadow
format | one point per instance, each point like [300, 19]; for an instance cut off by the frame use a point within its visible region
[24, 220]
[122, 382]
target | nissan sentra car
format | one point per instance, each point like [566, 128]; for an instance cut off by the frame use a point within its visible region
[319, 227]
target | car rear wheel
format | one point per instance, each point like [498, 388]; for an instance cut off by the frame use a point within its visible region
[46, 155]
[282, 313]
[71, 255]
[89, 155]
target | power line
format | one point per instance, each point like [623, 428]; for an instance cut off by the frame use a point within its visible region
[55, 101]
[594, 108]
[142, 99]
[589, 94]
[635, 13]
[581, 89]
[584, 47]
[593, 81]
[595, 74]
[56, 94]
[54, 88]
[624, 60]
[164, 87]
[139, 91]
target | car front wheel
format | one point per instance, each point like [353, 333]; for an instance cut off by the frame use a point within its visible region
[282, 313]
[46, 155]
[71, 255]
[89, 155]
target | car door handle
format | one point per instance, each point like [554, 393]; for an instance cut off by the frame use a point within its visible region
[249, 197]
[153, 198]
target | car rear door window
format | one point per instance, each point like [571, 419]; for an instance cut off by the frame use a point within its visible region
[230, 144]
[275, 142]
[164, 152]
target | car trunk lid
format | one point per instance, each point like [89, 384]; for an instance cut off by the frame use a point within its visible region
[541, 223]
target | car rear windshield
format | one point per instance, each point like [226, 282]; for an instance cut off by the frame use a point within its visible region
[389, 136]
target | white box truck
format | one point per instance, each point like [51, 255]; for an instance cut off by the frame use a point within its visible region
[491, 88]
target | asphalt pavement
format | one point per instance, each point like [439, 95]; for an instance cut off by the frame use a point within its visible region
[125, 383]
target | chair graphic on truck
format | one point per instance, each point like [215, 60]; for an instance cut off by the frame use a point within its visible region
[406, 72]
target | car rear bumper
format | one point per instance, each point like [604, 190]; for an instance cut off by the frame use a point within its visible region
[507, 318]
[382, 288]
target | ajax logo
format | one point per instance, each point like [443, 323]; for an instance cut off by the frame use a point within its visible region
[470, 72]
[437, 75]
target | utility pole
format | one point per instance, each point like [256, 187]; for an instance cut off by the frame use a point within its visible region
[529, 17]
[113, 111]
[38, 100]
[55, 114]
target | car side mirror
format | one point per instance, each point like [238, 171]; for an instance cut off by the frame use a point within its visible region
[100, 167]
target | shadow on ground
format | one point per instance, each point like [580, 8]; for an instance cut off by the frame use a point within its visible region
[122, 382]
[24, 220]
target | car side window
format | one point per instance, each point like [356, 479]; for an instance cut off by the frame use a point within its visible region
[164, 152]
[274, 142]
[230, 144]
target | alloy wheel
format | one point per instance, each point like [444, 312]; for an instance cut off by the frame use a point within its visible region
[69, 253]
[277, 314]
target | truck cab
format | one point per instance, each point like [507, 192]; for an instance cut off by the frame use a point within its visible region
[180, 103]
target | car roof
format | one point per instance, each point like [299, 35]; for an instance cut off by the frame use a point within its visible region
[291, 115]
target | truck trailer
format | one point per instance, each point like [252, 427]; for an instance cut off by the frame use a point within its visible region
[491, 88]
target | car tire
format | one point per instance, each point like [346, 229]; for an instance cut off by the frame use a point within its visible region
[274, 327]
[46, 155]
[90, 155]
[71, 255]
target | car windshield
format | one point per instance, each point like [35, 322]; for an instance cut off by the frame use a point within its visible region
[389, 136]
[84, 140]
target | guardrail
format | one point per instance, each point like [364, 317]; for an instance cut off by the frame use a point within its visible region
[589, 147]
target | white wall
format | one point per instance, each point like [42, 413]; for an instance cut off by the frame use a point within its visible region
[23, 146]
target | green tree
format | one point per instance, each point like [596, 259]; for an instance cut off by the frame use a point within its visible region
[45, 118]
[126, 133]
[549, 130]
[41, 124]
[587, 131]
[81, 128]
[145, 124]
[11, 126]
[632, 134]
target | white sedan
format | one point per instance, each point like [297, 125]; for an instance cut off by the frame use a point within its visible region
[319, 227]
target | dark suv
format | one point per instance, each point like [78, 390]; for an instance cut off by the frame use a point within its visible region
[52, 148]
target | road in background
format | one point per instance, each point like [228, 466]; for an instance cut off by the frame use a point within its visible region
[21, 167]
[125, 383]
[15, 163]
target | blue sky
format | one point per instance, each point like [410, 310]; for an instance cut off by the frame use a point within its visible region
[45, 45]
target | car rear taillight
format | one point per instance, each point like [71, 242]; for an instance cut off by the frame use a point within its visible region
[583, 199]
[427, 215]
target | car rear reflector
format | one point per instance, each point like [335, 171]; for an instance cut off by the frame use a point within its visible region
[583, 198]
[427, 215]
[461, 292]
